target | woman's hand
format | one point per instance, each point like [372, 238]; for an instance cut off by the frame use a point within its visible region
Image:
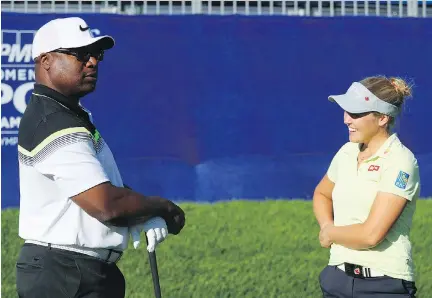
[324, 236]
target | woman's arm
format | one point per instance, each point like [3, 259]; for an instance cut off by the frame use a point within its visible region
[322, 202]
[385, 210]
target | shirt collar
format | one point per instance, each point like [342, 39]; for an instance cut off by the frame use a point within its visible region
[68, 103]
[385, 148]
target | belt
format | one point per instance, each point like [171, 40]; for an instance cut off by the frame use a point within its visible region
[104, 254]
[359, 271]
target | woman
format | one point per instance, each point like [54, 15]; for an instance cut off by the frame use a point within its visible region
[366, 201]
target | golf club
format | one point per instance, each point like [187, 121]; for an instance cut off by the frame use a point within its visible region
[154, 272]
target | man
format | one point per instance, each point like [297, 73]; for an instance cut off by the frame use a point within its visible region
[75, 213]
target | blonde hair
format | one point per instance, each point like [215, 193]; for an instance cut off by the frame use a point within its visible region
[392, 90]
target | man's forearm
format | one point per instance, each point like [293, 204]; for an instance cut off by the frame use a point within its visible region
[323, 209]
[353, 236]
[130, 208]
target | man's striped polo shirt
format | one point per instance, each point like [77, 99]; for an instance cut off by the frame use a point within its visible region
[62, 154]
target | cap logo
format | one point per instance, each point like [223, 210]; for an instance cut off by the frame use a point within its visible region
[367, 98]
[83, 28]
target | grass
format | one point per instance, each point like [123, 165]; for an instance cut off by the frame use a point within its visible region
[235, 249]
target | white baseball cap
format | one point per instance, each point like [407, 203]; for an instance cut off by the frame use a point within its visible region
[358, 99]
[66, 33]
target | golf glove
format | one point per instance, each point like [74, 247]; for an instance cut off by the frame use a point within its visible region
[156, 231]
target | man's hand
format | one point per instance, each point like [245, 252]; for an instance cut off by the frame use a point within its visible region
[324, 235]
[175, 218]
[156, 231]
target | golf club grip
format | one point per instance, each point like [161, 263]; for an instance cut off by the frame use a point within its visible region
[154, 272]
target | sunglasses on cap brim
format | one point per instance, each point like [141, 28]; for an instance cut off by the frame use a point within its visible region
[358, 115]
[83, 54]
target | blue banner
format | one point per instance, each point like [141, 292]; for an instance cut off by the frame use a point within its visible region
[208, 108]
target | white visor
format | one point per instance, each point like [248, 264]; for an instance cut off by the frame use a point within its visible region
[358, 99]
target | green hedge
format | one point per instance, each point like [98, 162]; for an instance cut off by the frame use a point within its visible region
[235, 249]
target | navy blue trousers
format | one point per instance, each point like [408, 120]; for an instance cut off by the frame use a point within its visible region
[336, 283]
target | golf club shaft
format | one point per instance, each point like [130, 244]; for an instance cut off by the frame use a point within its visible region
[154, 272]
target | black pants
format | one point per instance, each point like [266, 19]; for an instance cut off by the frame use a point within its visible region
[44, 272]
[336, 283]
